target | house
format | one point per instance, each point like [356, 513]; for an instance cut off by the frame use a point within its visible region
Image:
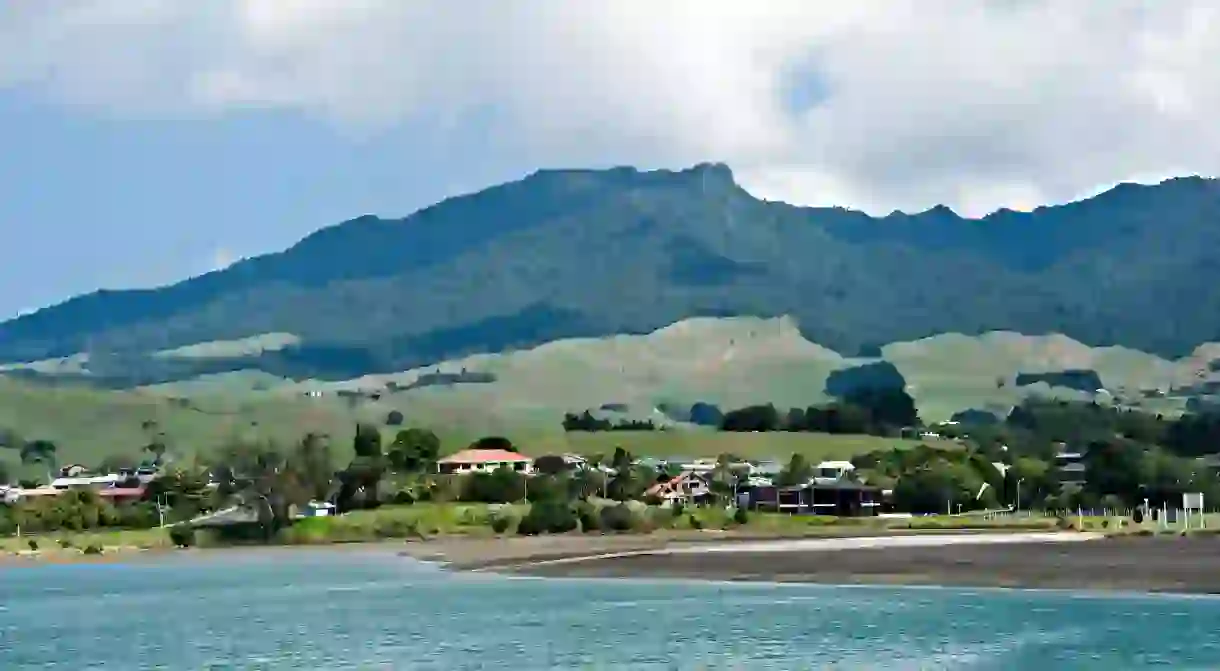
[476, 460]
[12, 495]
[841, 498]
[86, 482]
[833, 470]
[72, 471]
[317, 509]
[687, 487]
[766, 469]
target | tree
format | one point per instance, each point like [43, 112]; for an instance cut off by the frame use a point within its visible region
[39, 452]
[629, 482]
[752, 418]
[394, 418]
[115, 463]
[555, 517]
[312, 464]
[493, 443]
[724, 479]
[414, 451]
[358, 483]
[503, 485]
[797, 472]
[156, 445]
[551, 464]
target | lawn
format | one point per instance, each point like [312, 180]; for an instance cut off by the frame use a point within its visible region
[88, 425]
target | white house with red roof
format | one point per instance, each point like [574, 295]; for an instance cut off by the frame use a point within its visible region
[477, 460]
[688, 487]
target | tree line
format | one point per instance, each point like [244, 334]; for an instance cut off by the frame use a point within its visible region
[872, 411]
[586, 421]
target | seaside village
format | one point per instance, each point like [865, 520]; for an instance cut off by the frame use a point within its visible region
[830, 491]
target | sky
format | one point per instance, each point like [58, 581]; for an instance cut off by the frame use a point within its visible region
[145, 141]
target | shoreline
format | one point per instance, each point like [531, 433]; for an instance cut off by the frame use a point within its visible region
[472, 549]
[1010, 560]
[1089, 563]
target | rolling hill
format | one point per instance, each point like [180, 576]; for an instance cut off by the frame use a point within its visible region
[590, 254]
[729, 362]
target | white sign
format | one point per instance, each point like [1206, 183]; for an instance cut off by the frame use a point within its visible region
[1192, 501]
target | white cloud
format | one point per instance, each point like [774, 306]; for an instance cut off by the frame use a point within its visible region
[975, 103]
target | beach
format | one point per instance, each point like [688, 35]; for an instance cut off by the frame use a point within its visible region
[1051, 561]
[1056, 560]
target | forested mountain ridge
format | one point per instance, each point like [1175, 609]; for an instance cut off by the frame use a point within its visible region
[566, 253]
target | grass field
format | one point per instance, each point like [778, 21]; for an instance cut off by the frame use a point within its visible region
[429, 520]
[693, 443]
[731, 362]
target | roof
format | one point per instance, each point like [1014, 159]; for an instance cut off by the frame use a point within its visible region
[39, 491]
[844, 465]
[668, 485]
[476, 456]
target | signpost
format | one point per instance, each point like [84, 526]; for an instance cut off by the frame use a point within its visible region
[1192, 502]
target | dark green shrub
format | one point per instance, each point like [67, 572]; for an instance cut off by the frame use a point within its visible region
[182, 536]
[93, 549]
[33, 544]
[617, 518]
[740, 516]
[551, 517]
[65, 543]
[695, 522]
[503, 520]
[589, 516]
[678, 509]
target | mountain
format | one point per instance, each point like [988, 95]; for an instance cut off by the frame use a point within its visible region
[584, 253]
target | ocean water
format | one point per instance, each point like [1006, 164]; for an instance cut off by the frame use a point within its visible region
[358, 610]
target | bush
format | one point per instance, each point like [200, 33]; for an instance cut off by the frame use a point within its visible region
[589, 516]
[548, 517]
[65, 543]
[93, 549]
[33, 544]
[695, 522]
[182, 536]
[617, 518]
[395, 527]
[394, 418]
[503, 520]
[740, 516]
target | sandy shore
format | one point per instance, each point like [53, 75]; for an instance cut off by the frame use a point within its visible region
[1070, 561]
[461, 552]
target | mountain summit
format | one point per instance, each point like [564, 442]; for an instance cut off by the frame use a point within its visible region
[566, 253]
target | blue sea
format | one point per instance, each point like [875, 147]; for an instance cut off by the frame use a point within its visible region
[357, 610]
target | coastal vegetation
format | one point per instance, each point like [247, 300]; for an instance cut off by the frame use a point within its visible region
[387, 485]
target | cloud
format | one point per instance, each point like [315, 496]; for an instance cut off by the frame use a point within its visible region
[879, 104]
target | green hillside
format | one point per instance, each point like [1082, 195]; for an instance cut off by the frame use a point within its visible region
[729, 362]
[592, 253]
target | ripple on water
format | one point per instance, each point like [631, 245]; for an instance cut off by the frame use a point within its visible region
[336, 611]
